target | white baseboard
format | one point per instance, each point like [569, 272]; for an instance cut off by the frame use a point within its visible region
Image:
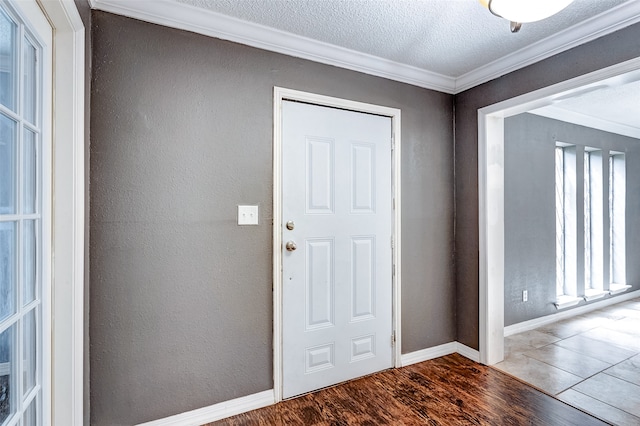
[467, 352]
[438, 351]
[549, 319]
[262, 399]
[427, 354]
[217, 411]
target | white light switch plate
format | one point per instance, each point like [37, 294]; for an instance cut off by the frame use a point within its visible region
[247, 215]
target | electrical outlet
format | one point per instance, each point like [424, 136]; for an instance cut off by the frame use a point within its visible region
[525, 295]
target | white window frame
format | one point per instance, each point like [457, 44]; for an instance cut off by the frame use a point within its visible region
[32, 26]
[67, 262]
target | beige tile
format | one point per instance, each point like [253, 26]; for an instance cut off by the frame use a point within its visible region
[596, 349]
[515, 347]
[628, 370]
[569, 361]
[543, 376]
[613, 337]
[628, 312]
[533, 338]
[570, 327]
[634, 304]
[613, 391]
[604, 314]
[565, 358]
[599, 409]
[627, 325]
[630, 304]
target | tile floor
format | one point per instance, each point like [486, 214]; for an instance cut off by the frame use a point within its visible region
[591, 361]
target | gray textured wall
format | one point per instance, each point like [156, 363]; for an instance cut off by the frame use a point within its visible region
[600, 53]
[85, 14]
[181, 132]
[530, 226]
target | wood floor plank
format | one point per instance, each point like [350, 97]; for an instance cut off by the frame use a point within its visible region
[450, 390]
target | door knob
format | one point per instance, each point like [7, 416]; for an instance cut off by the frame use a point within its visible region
[290, 246]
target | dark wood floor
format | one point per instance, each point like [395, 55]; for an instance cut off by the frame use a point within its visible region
[451, 390]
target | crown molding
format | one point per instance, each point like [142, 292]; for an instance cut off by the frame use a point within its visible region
[619, 17]
[561, 114]
[213, 24]
[209, 23]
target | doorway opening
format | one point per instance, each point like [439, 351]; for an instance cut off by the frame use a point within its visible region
[491, 190]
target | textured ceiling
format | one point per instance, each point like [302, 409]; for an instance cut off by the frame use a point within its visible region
[446, 45]
[612, 108]
[599, 103]
[449, 37]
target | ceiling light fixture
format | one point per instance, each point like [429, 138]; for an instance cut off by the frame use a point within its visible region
[519, 11]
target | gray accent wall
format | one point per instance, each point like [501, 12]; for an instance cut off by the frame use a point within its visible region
[181, 133]
[85, 15]
[530, 221]
[600, 53]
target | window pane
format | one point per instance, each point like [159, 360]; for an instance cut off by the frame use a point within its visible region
[611, 220]
[30, 415]
[7, 379]
[29, 261]
[617, 207]
[587, 220]
[8, 30]
[29, 172]
[596, 220]
[29, 352]
[559, 221]
[7, 268]
[7, 165]
[30, 81]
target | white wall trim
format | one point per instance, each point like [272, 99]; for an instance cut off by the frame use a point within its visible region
[428, 353]
[491, 236]
[619, 17]
[562, 114]
[247, 403]
[213, 24]
[206, 22]
[218, 411]
[67, 334]
[491, 193]
[468, 352]
[281, 94]
[438, 351]
[559, 316]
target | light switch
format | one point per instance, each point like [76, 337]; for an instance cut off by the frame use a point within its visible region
[247, 215]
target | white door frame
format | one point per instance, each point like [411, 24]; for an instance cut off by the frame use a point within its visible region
[491, 193]
[280, 95]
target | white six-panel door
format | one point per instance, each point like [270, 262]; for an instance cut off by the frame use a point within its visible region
[337, 270]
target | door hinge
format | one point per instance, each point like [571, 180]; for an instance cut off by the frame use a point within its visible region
[393, 338]
[392, 242]
[393, 270]
[393, 144]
